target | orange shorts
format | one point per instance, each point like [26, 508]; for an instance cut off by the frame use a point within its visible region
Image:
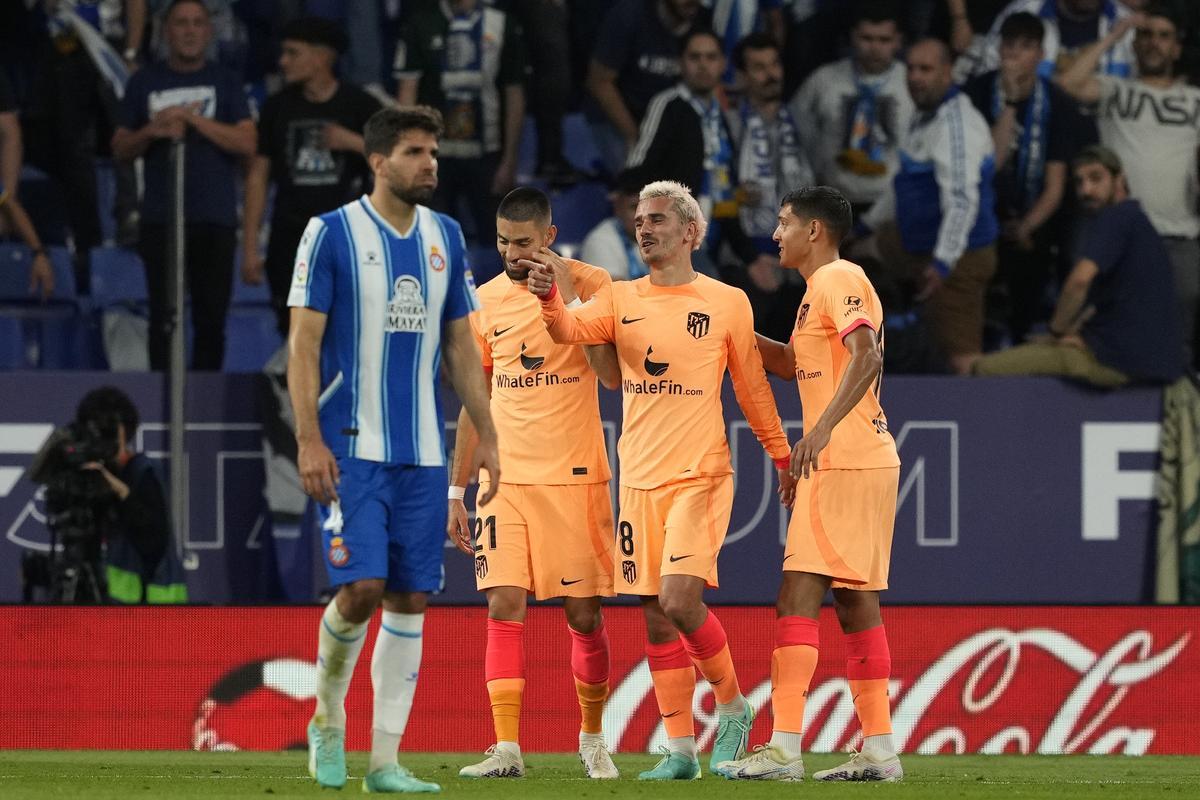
[674, 529]
[553, 541]
[842, 525]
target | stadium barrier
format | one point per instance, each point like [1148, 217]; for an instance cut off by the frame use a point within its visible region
[969, 679]
[1011, 491]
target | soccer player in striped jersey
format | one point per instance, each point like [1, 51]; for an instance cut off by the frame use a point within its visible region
[677, 333]
[549, 531]
[380, 292]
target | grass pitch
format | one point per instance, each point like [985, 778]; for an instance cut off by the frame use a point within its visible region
[93, 775]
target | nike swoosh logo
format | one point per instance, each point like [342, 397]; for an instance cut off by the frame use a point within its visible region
[627, 320]
[566, 582]
[672, 714]
[680, 558]
[499, 332]
[717, 682]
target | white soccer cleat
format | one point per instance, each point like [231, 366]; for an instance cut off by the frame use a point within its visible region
[597, 762]
[498, 764]
[862, 767]
[766, 763]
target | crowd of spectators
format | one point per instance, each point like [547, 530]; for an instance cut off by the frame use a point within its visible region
[1023, 172]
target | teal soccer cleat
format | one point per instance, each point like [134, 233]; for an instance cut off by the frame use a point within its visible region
[673, 767]
[396, 779]
[733, 734]
[327, 756]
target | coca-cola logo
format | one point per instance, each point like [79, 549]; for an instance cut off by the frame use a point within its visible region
[1036, 690]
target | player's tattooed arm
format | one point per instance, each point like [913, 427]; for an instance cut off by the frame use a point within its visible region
[777, 357]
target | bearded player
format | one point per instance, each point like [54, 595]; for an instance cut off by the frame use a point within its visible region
[549, 530]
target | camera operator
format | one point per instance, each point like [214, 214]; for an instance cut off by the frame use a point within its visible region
[105, 506]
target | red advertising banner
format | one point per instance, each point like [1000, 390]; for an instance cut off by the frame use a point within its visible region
[964, 680]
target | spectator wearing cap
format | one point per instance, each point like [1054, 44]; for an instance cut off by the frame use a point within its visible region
[1114, 323]
[1152, 122]
[191, 99]
[612, 244]
[467, 59]
[310, 146]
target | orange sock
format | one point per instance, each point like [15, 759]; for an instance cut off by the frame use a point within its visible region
[504, 669]
[591, 705]
[589, 664]
[506, 707]
[792, 666]
[707, 647]
[674, 686]
[868, 666]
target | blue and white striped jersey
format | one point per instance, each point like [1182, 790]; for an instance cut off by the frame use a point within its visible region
[387, 296]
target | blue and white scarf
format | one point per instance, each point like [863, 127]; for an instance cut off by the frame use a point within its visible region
[1031, 147]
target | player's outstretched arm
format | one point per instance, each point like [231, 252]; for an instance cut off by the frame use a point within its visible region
[318, 468]
[866, 364]
[591, 323]
[466, 373]
[777, 358]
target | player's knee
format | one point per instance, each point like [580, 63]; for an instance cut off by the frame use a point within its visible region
[506, 603]
[682, 611]
[583, 615]
[357, 601]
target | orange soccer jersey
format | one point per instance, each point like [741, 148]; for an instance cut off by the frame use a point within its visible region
[839, 299]
[674, 344]
[538, 386]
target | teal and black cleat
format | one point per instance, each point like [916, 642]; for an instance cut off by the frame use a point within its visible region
[673, 767]
[733, 734]
[327, 756]
[396, 779]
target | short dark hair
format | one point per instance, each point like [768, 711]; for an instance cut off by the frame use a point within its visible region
[1022, 26]
[385, 127]
[318, 31]
[944, 51]
[876, 11]
[824, 203]
[105, 406]
[525, 204]
[1098, 154]
[701, 31]
[174, 4]
[1157, 8]
[755, 41]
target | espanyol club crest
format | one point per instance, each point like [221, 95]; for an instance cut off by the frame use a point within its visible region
[437, 261]
[339, 554]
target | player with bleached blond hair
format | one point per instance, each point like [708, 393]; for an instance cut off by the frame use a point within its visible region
[676, 333]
